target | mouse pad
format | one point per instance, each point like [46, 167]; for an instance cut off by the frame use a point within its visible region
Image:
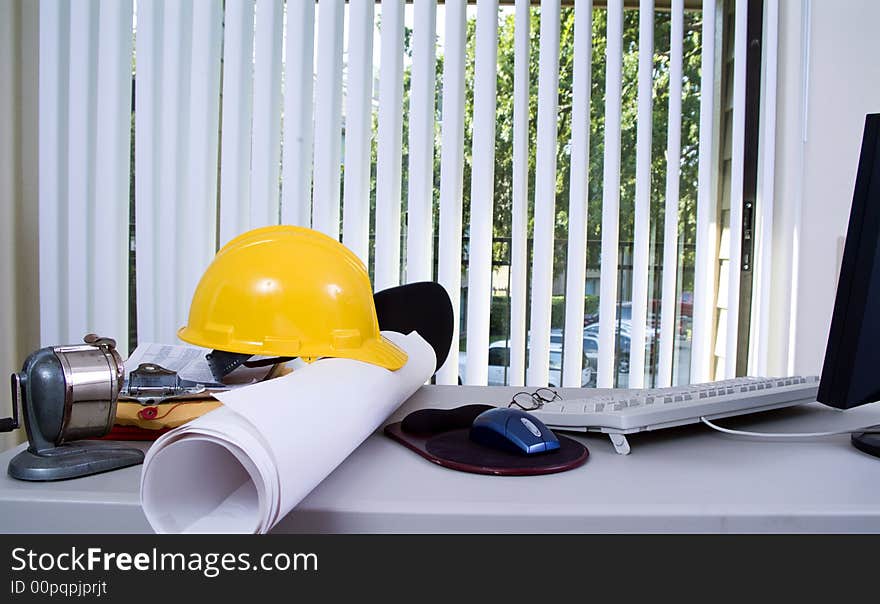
[455, 450]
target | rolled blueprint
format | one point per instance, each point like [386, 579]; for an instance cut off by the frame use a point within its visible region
[241, 468]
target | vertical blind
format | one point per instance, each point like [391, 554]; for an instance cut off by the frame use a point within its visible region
[452, 170]
[610, 197]
[545, 195]
[642, 212]
[482, 191]
[352, 118]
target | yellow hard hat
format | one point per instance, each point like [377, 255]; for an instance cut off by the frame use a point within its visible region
[292, 292]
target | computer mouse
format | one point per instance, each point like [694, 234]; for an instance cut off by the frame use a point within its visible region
[513, 430]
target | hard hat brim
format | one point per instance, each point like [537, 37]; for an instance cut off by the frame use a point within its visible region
[377, 351]
[380, 351]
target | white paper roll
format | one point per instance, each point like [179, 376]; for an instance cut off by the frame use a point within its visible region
[244, 466]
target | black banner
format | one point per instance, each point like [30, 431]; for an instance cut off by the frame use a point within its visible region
[410, 567]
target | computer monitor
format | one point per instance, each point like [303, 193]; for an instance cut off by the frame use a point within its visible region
[851, 373]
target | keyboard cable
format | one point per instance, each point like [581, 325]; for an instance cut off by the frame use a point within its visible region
[873, 429]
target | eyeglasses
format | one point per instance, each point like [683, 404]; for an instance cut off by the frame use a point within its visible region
[529, 401]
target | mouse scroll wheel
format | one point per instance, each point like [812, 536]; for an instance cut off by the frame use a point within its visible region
[515, 425]
[530, 426]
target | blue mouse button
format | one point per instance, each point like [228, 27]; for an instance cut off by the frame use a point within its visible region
[513, 430]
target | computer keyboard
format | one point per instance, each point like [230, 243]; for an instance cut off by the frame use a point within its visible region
[627, 411]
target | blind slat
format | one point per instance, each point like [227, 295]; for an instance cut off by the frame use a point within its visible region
[610, 197]
[390, 136]
[358, 131]
[111, 169]
[299, 76]
[266, 150]
[80, 163]
[642, 220]
[451, 174]
[328, 117]
[199, 205]
[482, 192]
[420, 227]
[52, 145]
[146, 162]
[669, 302]
[538, 371]
[576, 270]
[736, 187]
[706, 237]
[235, 155]
[759, 350]
[165, 244]
[520, 211]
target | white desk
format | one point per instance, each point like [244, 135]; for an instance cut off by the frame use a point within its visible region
[688, 479]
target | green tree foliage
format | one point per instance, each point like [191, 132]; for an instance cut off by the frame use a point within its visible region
[503, 197]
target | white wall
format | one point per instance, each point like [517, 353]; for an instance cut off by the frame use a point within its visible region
[829, 78]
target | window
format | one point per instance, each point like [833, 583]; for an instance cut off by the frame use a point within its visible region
[570, 195]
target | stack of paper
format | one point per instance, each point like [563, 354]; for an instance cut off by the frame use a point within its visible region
[244, 466]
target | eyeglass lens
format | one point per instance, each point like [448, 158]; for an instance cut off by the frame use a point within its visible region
[525, 400]
[546, 394]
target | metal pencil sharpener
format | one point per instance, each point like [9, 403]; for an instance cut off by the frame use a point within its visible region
[68, 393]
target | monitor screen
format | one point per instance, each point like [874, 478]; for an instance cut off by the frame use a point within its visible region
[851, 373]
